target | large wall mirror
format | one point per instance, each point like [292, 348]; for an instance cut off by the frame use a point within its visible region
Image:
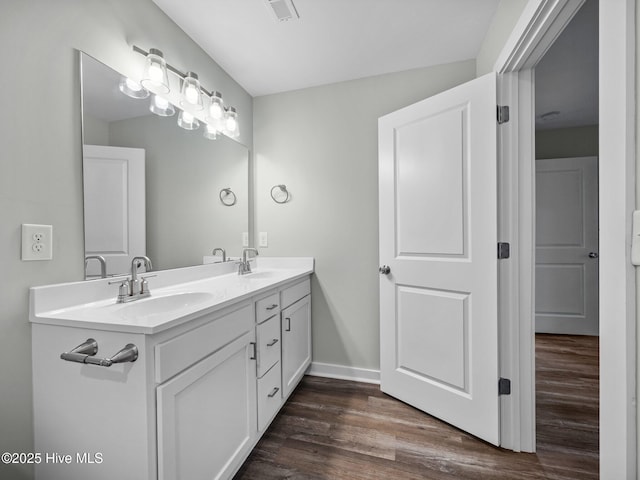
[152, 188]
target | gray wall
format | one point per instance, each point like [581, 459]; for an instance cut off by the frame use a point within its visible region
[567, 142]
[94, 130]
[322, 144]
[504, 20]
[40, 165]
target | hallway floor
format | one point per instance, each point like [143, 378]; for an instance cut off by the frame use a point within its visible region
[335, 429]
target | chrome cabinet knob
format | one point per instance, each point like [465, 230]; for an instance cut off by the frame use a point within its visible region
[593, 255]
[384, 270]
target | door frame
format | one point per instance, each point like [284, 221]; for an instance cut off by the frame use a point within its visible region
[539, 25]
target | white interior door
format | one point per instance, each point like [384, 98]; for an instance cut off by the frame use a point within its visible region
[114, 206]
[438, 236]
[567, 246]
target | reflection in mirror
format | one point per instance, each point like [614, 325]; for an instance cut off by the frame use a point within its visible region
[152, 188]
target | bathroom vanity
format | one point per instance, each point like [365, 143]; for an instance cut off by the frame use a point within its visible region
[218, 354]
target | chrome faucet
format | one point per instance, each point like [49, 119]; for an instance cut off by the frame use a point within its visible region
[103, 264]
[224, 254]
[244, 266]
[133, 288]
[137, 287]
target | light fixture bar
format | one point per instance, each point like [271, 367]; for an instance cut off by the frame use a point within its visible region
[173, 70]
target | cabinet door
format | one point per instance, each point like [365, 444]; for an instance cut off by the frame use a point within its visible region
[296, 343]
[207, 415]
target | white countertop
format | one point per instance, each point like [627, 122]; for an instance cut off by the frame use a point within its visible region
[177, 296]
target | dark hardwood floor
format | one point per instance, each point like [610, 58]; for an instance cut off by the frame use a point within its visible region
[334, 429]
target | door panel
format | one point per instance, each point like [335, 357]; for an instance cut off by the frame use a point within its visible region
[433, 346]
[296, 343]
[114, 206]
[438, 235]
[566, 233]
[431, 175]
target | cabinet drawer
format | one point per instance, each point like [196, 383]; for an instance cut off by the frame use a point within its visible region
[267, 307]
[268, 338]
[176, 354]
[269, 396]
[294, 293]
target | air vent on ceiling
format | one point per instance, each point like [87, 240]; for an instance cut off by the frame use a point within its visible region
[284, 10]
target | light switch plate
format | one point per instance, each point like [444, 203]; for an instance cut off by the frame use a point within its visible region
[37, 242]
[263, 240]
[245, 239]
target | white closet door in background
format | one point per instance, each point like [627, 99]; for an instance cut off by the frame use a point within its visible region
[567, 246]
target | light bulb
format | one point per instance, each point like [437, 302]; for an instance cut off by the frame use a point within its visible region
[155, 72]
[216, 108]
[191, 96]
[132, 89]
[232, 124]
[211, 132]
[161, 102]
[133, 85]
[188, 121]
[161, 106]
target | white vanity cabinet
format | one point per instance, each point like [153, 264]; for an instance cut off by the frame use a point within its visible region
[186, 408]
[203, 389]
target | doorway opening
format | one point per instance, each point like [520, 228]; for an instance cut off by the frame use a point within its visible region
[566, 266]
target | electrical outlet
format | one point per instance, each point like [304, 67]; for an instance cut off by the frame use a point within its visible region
[245, 239]
[263, 240]
[37, 242]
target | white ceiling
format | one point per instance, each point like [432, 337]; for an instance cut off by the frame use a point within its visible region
[333, 40]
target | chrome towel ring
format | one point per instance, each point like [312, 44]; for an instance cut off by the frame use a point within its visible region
[280, 198]
[227, 197]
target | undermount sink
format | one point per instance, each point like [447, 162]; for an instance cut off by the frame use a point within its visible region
[163, 304]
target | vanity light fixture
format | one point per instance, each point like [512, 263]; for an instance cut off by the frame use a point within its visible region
[155, 76]
[132, 89]
[188, 121]
[191, 96]
[161, 106]
[219, 119]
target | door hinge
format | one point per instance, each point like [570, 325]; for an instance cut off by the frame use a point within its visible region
[504, 250]
[503, 114]
[504, 386]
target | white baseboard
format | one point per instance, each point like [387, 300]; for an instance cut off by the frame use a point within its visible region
[341, 372]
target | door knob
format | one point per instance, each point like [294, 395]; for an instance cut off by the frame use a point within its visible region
[384, 270]
[593, 255]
